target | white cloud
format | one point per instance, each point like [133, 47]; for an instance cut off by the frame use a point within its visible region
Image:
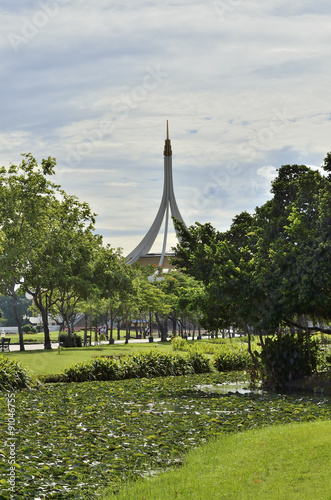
[96, 83]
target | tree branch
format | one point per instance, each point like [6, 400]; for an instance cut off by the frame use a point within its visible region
[310, 328]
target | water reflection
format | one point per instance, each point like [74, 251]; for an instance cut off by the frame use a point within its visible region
[239, 387]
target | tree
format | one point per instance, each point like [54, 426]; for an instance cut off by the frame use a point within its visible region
[152, 300]
[24, 192]
[113, 280]
[60, 261]
[182, 291]
[6, 306]
[46, 234]
[293, 259]
[271, 267]
[224, 263]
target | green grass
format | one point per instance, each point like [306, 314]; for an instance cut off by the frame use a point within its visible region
[285, 461]
[39, 337]
[31, 337]
[51, 362]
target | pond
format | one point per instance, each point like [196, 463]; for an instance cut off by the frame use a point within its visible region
[71, 436]
[229, 388]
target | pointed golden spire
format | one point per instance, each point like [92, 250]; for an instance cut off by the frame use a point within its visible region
[167, 146]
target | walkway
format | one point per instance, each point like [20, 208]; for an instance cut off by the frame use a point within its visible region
[55, 345]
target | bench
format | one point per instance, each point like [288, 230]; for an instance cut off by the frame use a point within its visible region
[5, 344]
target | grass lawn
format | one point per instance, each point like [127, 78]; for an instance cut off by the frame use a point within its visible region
[39, 337]
[31, 337]
[284, 461]
[50, 361]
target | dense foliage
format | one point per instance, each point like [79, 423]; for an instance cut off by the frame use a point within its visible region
[226, 357]
[288, 357]
[72, 438]
[7, 307]
[270, 270]
[145, 365]
[75, 341]
[13, 375]
[272, 267]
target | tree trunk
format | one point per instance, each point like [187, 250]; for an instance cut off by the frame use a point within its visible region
[162, 328]
[47, 338]
[106, 324]
[69, 333]
[174, 324]
[17, 318]
[111, 326]
[85, 328]
[127, 331]
[150, 323]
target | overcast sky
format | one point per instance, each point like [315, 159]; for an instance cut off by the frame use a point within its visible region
[245, 85]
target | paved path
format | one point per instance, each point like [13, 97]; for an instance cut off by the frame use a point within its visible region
[55, 345]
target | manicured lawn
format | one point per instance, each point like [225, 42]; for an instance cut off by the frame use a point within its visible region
[50, 361]
[73, 439]
[39, 337]
[281, 462]
[31, 337]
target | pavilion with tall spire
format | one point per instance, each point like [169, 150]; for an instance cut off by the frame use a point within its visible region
[168, 205]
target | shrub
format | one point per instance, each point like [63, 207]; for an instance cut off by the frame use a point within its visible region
[288, 357]
[145, 365]
[179, 344]
[13, 375]
[29, 329]
[200, 363]
[232, 359]
[76, 339]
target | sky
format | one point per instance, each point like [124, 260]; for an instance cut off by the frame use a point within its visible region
[245, 85]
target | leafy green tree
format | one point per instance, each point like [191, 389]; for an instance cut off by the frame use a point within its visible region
[6, 306]
[224, 263]
[153, 301]
[47, 236]
[292, 262]
[24, 195]
[113, 280]
[181, 291]
[60, 260]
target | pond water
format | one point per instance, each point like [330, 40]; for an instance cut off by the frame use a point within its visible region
[239, 387]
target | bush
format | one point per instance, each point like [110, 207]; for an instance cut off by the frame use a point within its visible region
[29, 329]
[179, 344]
[76, 339]
[12, 375]
[145, 365]
[200, 363]
[232, 359]
[288, 357]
